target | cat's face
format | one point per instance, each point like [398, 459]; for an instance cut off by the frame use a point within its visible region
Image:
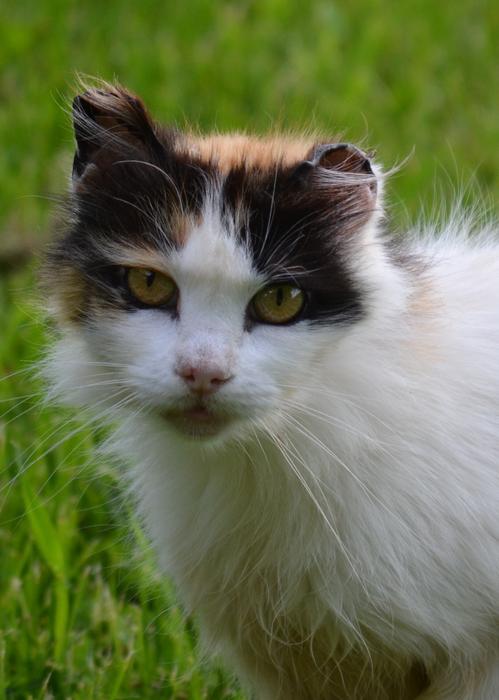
[200, 280]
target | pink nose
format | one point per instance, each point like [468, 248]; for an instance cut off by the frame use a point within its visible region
[203, 379]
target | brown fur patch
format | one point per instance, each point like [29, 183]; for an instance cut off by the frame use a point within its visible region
[182, 224]
[68, 293]
[232, 151]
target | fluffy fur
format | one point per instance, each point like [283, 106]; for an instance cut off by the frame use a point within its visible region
[337, 534]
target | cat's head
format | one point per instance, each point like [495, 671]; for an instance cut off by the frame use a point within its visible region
[201, 279]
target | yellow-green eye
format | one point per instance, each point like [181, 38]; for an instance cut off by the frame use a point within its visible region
[150, 287]
[278, 303]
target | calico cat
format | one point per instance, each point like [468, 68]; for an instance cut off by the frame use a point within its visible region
[309, 413]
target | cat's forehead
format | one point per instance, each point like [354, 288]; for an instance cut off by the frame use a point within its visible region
[207, 248]
[212, 247]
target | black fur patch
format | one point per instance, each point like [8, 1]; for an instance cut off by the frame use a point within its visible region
[299, 233]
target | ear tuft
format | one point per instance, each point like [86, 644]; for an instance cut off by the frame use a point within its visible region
[341, 160]
[341, 156]
[110, 118]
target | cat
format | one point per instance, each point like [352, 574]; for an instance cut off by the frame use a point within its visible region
[308, 410]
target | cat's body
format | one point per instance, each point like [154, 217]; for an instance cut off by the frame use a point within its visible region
[328, 502]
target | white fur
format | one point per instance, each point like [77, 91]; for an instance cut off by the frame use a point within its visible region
[350, 511]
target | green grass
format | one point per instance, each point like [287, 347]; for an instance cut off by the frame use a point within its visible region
[83, 613]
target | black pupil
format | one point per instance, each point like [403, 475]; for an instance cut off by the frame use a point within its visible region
[279, 296]
[149, 278]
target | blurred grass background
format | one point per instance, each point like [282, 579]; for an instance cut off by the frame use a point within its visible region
[82, 612]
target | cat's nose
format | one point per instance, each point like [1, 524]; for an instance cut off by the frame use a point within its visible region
[203, 379]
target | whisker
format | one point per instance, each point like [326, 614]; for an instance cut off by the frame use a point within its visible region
[18, 372]
[43, 398]
[327, 418]
[16, 417]
[26, 464]
[367, 491]
[286, 453]
[121, 404]
[279, 443]
[346, 398]
[21, 397]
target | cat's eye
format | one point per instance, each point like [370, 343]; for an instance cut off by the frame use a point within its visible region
[150, 287]
[278, 304]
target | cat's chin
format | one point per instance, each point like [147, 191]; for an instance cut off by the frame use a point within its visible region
[197, 422]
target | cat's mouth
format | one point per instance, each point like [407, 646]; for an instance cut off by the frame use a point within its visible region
[197, 421]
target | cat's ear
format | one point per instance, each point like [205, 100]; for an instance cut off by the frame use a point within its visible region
[110, 122]
[340, 164]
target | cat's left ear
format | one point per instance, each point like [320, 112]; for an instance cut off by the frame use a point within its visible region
[110, 122]
[340, 164]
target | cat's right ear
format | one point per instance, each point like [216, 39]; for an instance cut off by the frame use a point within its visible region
[339, 164]
[110, 123]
